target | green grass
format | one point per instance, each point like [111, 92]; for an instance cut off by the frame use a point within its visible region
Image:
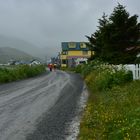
[111, 113]
[113, 108]
[20, 72]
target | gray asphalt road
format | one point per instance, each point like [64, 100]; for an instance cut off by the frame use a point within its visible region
[40, 108]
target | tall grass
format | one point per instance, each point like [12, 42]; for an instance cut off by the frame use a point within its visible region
[113, 109]
[20, 72]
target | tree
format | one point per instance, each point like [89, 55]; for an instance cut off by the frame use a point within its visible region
[116, 39]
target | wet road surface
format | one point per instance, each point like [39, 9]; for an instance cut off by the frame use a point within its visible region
[40, 108]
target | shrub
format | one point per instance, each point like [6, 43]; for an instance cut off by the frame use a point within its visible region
[20, 72]
[79, 68]
[88, 68]
[105, 77]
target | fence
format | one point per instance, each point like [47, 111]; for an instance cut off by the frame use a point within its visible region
[135, 68]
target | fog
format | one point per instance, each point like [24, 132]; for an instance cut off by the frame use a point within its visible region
[47, 23]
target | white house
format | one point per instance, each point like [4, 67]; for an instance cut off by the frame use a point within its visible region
[35, 62]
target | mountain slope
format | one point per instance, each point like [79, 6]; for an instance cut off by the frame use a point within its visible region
[22, 45]
[7, 53]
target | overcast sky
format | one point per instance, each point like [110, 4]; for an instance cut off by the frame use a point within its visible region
[47, 23]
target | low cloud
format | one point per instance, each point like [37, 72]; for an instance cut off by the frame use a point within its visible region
[46, 23]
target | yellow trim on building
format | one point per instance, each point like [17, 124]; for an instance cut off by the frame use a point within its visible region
[71, 52]
[63, 65]
[79, 53]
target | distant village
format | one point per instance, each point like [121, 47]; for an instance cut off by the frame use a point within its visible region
[71, 55]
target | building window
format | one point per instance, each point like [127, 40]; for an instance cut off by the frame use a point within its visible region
[65, 52]
[82, 45]
[85, 52]
[72, 45]
[64, 61]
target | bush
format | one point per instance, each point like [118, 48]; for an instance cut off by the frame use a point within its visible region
[20, 72]
[79, 68]
[105, 77]
[86, 69]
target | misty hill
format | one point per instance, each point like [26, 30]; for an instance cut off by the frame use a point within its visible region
[22, 45]
[7, 53]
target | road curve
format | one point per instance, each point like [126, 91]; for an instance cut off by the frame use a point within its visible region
[39, 108]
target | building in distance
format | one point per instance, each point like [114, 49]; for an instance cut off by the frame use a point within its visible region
[74, 53]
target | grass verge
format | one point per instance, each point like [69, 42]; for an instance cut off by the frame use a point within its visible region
[111, 113]
[113, 108]
[20, 72]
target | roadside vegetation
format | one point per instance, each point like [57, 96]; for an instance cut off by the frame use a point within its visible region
[113, 108]
[20, 72]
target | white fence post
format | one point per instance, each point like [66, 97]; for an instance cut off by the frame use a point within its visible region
[137, 71]
[135, 68]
